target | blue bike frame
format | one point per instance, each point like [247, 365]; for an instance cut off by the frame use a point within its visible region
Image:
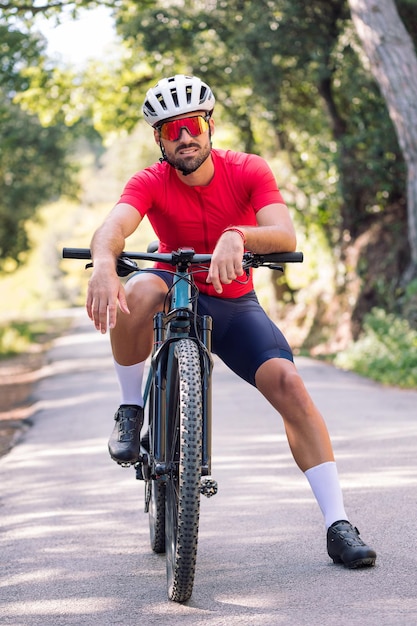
[180, 322]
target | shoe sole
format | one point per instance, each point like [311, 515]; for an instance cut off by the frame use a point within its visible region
[124, 463]
[369, 562]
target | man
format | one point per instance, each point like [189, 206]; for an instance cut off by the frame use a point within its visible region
[221, 202]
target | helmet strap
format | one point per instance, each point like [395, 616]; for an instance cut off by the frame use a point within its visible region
[164, 156]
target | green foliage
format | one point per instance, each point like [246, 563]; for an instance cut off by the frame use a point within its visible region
[34, 160]
[17, 337]
[17, 50]
[407, 303]
[26, 10]
[30, 336]
[385, 352]
[31, 162]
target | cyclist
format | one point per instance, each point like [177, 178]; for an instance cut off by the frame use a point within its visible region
[219, 202]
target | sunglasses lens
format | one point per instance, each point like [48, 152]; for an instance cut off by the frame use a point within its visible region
[194, 125]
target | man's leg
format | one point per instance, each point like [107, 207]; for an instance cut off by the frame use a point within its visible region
[131, 341]
[280, 383]
[278, 380]
[132, 337]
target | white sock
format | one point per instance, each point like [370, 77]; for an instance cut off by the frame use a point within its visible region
[130, 379]
[324, 482]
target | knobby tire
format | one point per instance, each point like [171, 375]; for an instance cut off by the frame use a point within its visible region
[157, 516]
[184, 449]
[157, 497]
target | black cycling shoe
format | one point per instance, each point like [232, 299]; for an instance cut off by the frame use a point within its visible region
[345, 546]
[124, 440]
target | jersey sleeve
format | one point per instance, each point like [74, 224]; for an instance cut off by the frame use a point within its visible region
[138, 191]
[260, 182]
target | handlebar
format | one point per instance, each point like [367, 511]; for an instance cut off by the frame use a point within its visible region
[187, 256]
[163, 257]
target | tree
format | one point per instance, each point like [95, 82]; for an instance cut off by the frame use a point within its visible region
[393, 62]
[34, 164]
[26, 8]
[31, 158]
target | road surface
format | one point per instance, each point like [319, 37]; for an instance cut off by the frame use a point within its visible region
[74, 540]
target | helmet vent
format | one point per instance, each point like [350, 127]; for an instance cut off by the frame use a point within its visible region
[149, 107]
[203, 94]
[175, 97]
[161, 101]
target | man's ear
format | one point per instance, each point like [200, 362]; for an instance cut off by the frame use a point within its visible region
[157, 136]
[212, 126]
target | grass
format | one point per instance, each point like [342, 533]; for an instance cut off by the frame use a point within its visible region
[386, 351]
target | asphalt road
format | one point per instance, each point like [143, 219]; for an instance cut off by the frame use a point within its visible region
[74, 541]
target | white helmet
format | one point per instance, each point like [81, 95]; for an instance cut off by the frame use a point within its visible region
[176, 95]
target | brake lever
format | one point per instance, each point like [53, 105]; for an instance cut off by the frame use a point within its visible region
[124, 266]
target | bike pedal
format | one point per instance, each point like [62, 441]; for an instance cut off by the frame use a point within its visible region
[139, 472]
[142, 468]
[208, 487]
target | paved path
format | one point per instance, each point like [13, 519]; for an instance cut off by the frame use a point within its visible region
[74, 542]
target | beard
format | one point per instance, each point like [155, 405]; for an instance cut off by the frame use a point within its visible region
[188, 165]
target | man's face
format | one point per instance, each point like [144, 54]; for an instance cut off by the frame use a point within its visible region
[186, 151]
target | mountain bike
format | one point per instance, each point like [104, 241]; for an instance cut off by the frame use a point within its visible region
[175, 454]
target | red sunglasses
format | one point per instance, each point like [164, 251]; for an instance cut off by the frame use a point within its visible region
[193, 125]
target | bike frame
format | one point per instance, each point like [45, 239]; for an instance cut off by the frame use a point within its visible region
[170, 327]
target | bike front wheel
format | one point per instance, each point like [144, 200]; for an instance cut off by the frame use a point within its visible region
[184, 457]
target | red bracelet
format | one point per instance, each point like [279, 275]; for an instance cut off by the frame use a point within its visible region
[234, 229]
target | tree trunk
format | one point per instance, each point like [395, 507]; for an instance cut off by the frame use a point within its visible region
[393, 63]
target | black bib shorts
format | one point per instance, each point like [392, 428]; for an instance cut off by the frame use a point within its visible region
[243, 336]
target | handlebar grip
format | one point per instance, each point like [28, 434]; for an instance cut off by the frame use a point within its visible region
[283, 257]
[76, 253]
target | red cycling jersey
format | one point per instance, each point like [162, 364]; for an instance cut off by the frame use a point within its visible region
[184, 216]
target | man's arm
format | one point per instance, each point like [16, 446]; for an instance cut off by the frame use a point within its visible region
[104, 288]
[274, 233]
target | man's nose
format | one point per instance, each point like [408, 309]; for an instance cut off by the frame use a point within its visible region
[185, 135]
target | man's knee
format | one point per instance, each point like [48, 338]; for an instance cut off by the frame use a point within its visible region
[146, 291]
[279, 381]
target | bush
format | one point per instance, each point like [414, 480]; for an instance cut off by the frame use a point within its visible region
[385, 352]
[31, 336]
[17, 337]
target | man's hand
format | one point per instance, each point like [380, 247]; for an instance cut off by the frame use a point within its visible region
[105, 291]
[226, 262]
